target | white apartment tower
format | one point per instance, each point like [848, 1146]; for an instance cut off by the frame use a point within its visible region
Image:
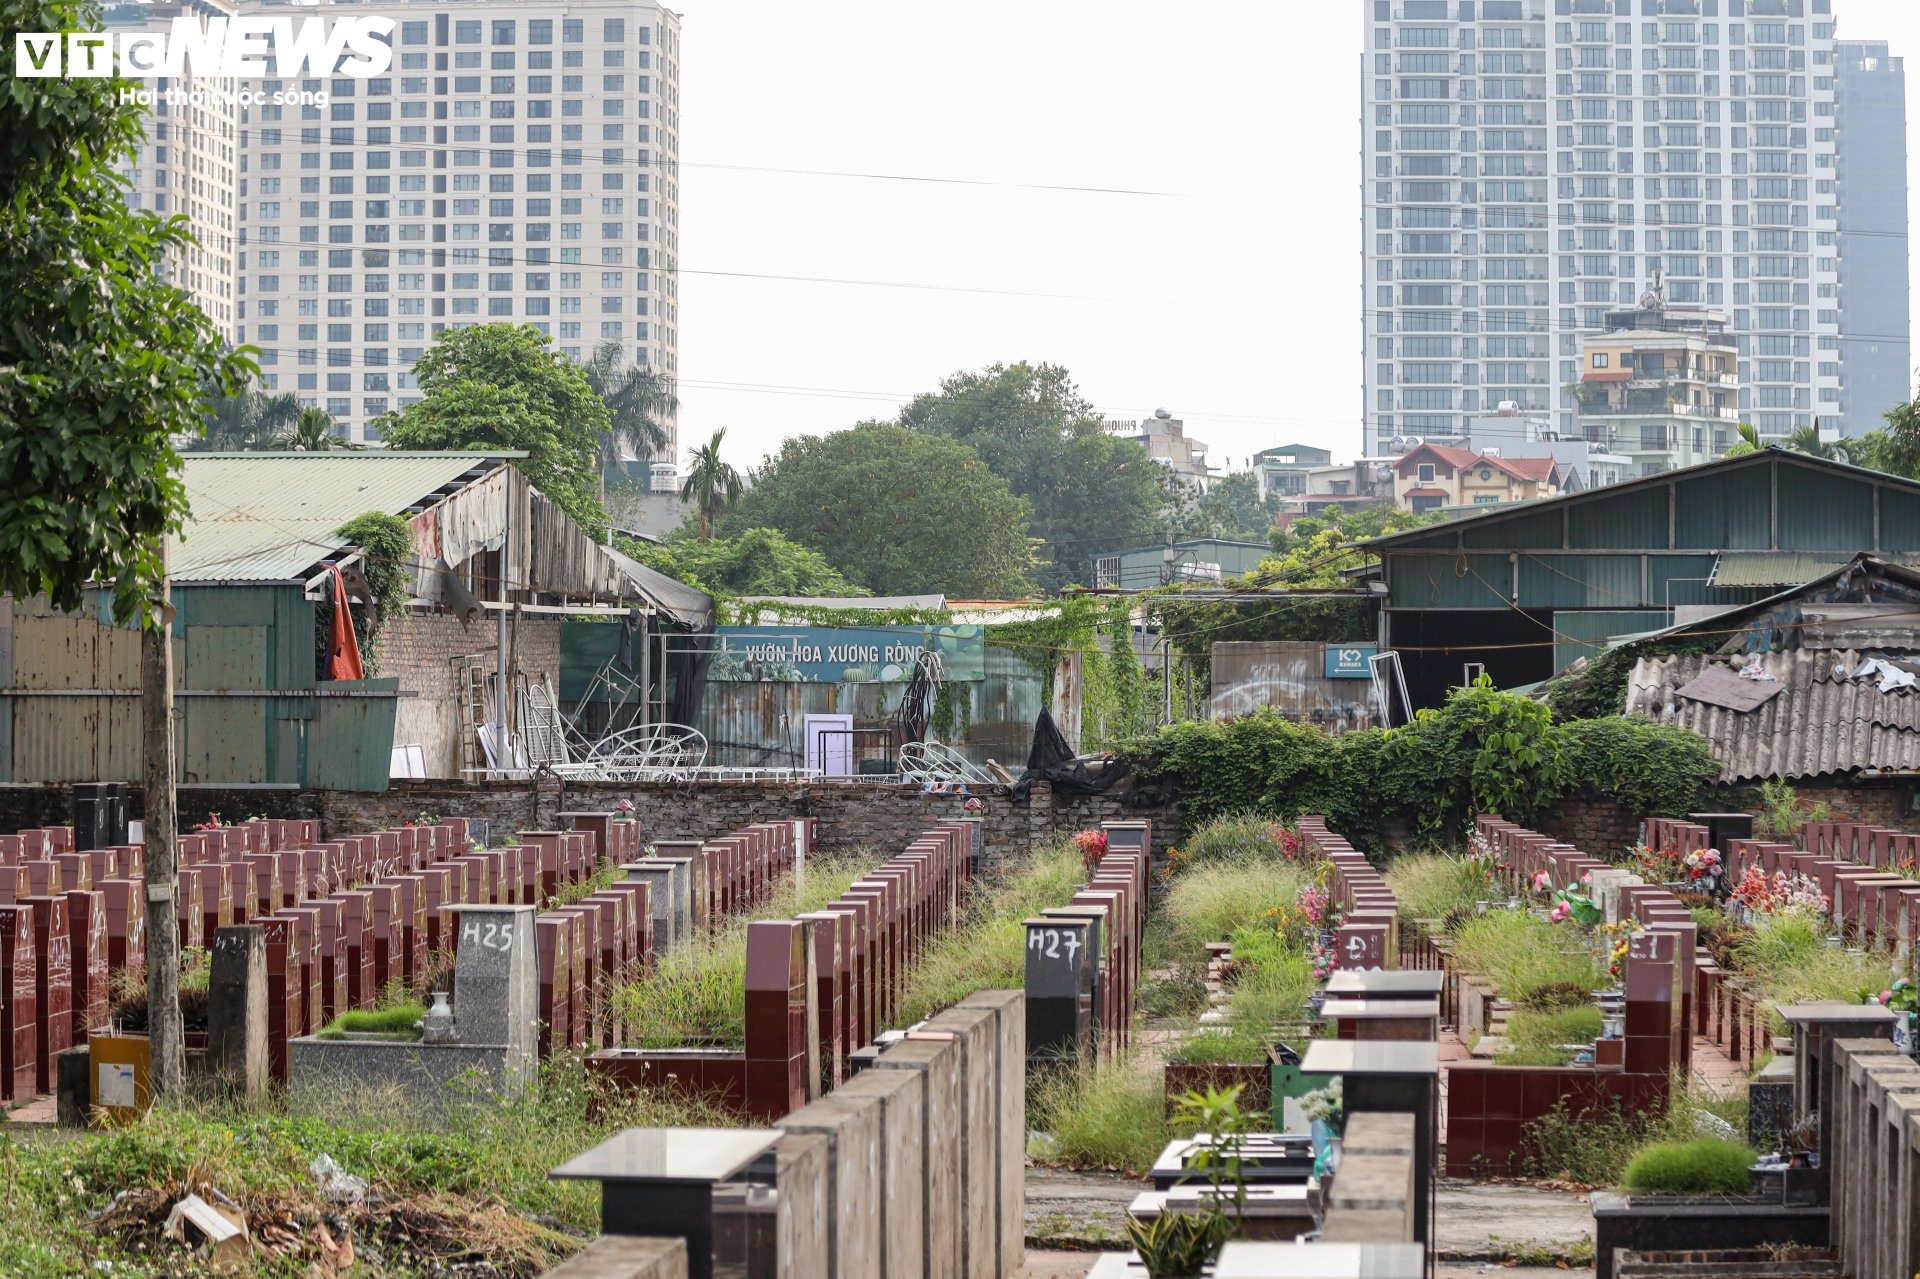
[518, 162]
[189, 164]
[1531, 163]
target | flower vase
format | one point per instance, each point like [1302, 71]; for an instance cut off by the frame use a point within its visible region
[1322, 1133]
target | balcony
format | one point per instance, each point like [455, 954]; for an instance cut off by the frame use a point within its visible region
[1689, 411]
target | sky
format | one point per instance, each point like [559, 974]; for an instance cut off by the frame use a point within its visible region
[1214, 269]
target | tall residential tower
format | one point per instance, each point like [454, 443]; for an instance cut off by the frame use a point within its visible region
[519, 161]
[1530, 164]
[1876, 353]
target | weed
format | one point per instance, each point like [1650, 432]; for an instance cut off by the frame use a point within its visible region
[1520, 954]
[1434, 885]
[1112, 1114]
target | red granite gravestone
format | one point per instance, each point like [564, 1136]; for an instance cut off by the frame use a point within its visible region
[10, 846]
[583, 949]
[14, 883]
[639, 921]
[330, 947]
[76, 871]
[192, 913]
[283, 991]
[356, 927]
[19, 1003]
[611, 911]
[53, 985]
[408, 940]
[439, 887]
[831, 933]
[540, 861]
[125, 910]
[776, 1019]
[1360, 946]
[218, 907]
[33, 844]
[43, 878]
[383, 928]
[263, 883]
[292, 871]
[103, 864]
[554, 937]
[847, 981]
[87, 924]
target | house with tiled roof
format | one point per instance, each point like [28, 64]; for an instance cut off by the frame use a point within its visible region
[1430, 476]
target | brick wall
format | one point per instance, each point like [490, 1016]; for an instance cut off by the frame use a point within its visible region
[849, 815]
[1601, 826]
[430, 652]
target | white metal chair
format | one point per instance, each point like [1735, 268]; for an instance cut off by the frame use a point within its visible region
[932, 761]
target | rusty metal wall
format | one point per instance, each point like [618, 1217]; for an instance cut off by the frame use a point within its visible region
[1289, 676]
[248, 711]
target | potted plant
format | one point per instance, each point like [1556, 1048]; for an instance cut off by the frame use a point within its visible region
[1180, 1245]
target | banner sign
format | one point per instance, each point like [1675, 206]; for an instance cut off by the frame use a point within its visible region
[843, 654]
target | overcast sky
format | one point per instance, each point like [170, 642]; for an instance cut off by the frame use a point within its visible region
[1232, 299]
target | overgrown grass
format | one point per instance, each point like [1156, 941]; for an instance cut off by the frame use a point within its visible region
[395, 1019]
[989, 952]
[466, 1164]
[1109, 1115]
[697, 994]
[1702, 1166]
[1519, 953]
[1232, 838]
[1793, 962]
[1209, 902]
[1547, 1038]
[1595, 1148]
[1436, 885]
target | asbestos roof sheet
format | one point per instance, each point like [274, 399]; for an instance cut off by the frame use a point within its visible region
[1773, 568]
[269, 517]
[1821, 720]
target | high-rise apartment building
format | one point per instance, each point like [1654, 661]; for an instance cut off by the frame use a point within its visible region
[189, 164]
[518, 162]
[1876, 361]
[1531, 163]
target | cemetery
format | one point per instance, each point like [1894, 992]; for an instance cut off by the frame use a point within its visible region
[606, 1049]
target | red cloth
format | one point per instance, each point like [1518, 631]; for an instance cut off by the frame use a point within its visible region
[343, 646]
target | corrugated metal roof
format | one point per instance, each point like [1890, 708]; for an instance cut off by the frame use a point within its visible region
[270, 516]
[1823, 722]
[1783, 568]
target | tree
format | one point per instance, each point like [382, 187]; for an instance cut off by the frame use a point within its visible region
[1087, 491]
[244, 418]
[503, 386]
[1232, 508]
[103, 364]
[636, 398]
[1899, 445]
[897, 512]
[311, 432]
[760, 561]
[1749, 441]
[712, 485]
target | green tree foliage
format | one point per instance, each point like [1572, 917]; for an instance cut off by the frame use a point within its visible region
[1483, 751]
[1898, 451]
[503, 386]
[102, 362]
[386, 545]
[1231, 508]
[311, 432]
[712, 485]
[760, 561]
[636, 398]
[1086, 490]
[896, 511]
[243, 418]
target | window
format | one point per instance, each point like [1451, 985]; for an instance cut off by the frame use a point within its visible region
[1424, 471]
[1599, 359]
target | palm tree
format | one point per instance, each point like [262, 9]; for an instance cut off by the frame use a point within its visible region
[636, 398]
[246, 419]
[1806, 439]
[1749, 441]
[711, 484]
[311, 432]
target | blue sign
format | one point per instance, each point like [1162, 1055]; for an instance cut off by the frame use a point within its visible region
[843, 654]
[1349, 661]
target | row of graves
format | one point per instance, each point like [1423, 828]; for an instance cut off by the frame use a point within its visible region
[1370, 1209]
[340, 922]
[888, 1149]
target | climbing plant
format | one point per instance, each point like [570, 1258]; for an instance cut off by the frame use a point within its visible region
[386, 544]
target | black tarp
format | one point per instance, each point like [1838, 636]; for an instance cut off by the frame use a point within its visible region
[1053, 760]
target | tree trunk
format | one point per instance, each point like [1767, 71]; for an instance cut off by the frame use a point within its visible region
[703, 525]
[166, 1034]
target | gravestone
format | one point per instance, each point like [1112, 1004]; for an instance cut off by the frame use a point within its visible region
[902, 1204]
[1010, 1122]
[237, 1010]
[496, 981]
[853, 1130]
[1059, 990]
[937, 1062]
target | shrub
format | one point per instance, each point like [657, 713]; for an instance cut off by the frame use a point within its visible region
[1703, 1166]
[1207, 903]
[1651, 769]
[1236, 837]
